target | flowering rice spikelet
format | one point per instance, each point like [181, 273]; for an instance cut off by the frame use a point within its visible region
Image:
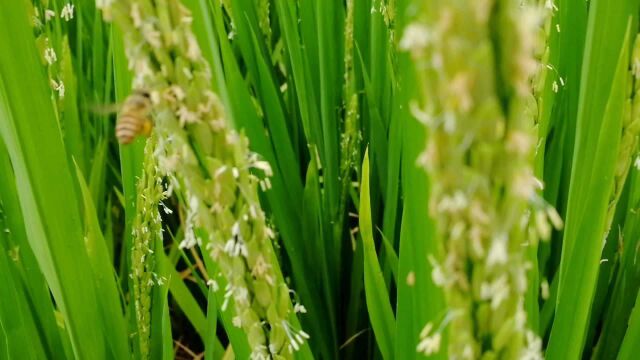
[476, 62]
[350, 137]
[629, 136]
[209, 165]
[147, 228]
[263, 7]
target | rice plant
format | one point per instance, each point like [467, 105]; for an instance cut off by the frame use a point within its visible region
[329, 179]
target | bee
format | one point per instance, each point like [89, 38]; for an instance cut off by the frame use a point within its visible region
[134, 118]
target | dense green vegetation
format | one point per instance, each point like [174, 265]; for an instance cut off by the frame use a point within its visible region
[331, 179]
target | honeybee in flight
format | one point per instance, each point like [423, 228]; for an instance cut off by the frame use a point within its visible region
[134, 118]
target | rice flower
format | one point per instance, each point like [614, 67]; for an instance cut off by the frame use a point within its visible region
[351, 136]
[147, 228]
[475, 62]
[629, 135]
[264, 20]
[210, 167]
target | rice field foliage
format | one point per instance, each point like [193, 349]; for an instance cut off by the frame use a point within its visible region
[340, 179]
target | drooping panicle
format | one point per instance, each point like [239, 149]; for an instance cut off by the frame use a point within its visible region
[476, 61]
[146, 232]
[210, 167]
